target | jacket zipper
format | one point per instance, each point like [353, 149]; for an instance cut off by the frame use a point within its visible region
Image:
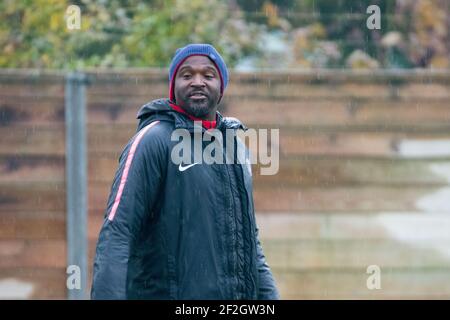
[235, 233]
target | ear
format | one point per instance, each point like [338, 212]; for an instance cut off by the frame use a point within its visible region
[172, 89]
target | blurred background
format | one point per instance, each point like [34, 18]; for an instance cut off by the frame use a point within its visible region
[364, 120]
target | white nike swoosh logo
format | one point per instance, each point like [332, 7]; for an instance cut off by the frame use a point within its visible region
[181, 168]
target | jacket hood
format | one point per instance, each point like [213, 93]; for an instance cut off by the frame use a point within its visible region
[161, 110]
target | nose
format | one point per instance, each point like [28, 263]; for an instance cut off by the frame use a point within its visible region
[197, 81]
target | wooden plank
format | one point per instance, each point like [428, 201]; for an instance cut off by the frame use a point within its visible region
[339, 90]
[31, 112]
[49, 140]
[316, 279]
[329, 172]
[263, 112]
[102, 168]
[350, 252]
[32, 90]
[21, 191]
[29, 75]
[317, 110]
[101, 138]
[44, 283]
[314, 91]
[314, 199]
[37, 197]
[138, 75]
[32, 225]
[288, 89]
[340, 199]
[95, 223]
[329, 254]
[127, 100]
[149, 76]
[112, 139]
[416, 112]
[26, 139]
[319, 172]
[351, 284]
[20, 169]
[129, 76]
[359, 144]
[128, 89]
[371, 144]
[410, 227]
[33, 253]
[429, 91]
[51, 197]
[392, 76]
[123, 112]
[38, 253]
[372, 113]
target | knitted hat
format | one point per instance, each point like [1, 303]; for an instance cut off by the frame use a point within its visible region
[198, 49]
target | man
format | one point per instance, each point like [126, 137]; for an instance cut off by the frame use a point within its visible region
[178, 230]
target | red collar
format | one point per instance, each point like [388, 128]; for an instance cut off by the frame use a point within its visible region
[207, 124]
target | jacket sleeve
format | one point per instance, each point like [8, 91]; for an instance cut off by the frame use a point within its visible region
[132, 196]
[267, 288]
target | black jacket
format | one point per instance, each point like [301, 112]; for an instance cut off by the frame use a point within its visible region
[171, 234]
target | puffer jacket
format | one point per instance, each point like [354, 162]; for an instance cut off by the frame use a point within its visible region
[179, 234]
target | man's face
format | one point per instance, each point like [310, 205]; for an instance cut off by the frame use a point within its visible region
[197, 87]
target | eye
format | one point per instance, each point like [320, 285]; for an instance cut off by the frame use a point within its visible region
[209, 76]
[186, 76]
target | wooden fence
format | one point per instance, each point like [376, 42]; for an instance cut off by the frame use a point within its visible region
[364, 176]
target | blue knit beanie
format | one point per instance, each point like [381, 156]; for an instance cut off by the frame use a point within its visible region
[198, 49]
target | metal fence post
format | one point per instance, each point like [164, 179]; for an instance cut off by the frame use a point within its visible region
[76, 180]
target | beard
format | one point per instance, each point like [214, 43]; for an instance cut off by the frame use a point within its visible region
[198, 108]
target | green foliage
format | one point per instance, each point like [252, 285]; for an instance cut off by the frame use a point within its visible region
[146, 33]
[32, 32]
[118, 33]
